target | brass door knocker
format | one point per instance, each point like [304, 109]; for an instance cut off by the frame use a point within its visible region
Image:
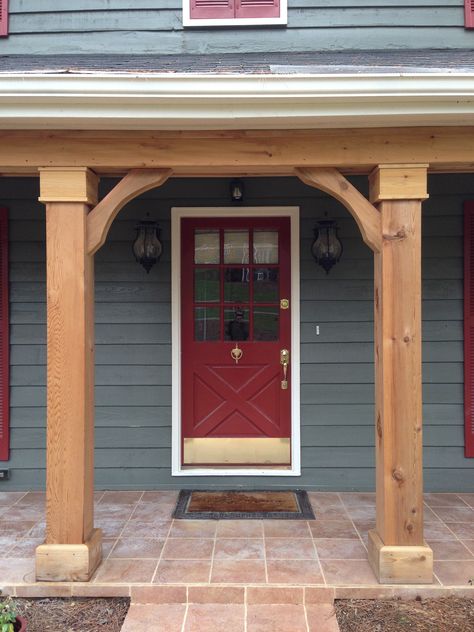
[236, 353]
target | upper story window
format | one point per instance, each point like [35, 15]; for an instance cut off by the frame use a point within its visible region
[3, 18]
[234, 12]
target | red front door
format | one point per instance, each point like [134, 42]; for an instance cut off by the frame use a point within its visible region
[236, 334]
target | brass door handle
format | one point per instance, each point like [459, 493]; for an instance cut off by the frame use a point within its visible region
[284, 361]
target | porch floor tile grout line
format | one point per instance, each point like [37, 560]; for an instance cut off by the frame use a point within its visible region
[116, 540]
[185, 613]
[18, 499]
[446, 525]
[211, 567]
[353, 524]
[426, 506]
[27, 534]
[306, 616]
[465, 501]
[318, 560]
[433, 510]
[99, 500]
[463, 560]
[465, 505]
[246, 607]
[470, 550]
[124, 526]
[265, 564]
[152, 581]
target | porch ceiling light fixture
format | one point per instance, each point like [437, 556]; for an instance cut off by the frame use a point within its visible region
[326, 247]
[147, 247]
[237, 191]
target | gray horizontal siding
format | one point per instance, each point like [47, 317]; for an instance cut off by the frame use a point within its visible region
[155, 27]
[166, 19]
[336, 479]
[133, 353]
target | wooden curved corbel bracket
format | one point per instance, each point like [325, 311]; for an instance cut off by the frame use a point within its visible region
[365, 214]
[137, 181]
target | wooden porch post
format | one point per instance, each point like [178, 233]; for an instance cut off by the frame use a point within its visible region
[397, 551]
[73, 547]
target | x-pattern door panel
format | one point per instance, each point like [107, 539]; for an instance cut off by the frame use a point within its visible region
[235, 273]
[254, 401]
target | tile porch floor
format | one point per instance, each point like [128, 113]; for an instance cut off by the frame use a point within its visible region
[188, 566]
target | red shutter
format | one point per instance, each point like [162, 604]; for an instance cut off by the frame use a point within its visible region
[258, 8]
[469, 14]
[469, 328]
[212, 9]
[3, 17]
[4, 340]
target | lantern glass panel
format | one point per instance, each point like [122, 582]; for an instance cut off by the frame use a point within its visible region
[326, 248]
[152, 243]
[139, 243]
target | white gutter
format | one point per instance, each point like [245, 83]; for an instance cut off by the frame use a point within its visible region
[188, 101]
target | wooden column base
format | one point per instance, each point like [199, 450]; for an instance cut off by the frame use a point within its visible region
[400, 564]
[69, 562]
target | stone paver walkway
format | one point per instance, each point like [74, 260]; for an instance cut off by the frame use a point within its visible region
[235, 617]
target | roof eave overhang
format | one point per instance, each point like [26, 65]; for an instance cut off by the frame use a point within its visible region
[214, 101]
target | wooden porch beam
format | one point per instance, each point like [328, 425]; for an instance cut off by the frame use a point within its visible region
[233, 152]
[334, 183]
[73, 547]
[100, 219]
[397, 550]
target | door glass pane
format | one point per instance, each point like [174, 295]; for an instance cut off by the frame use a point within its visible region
[236, 246]
[207, 324]
[265, 323]
[236, 285]
[236, 324]
[206, 285]
[265, 246]
[265, 285]
[206, 246]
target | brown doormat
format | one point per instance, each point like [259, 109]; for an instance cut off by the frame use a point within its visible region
[243, 505]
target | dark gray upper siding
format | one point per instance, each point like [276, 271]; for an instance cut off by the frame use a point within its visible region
[41, 27]
[133, 376]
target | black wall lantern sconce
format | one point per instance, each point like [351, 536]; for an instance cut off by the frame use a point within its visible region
[147, 246]
[237, 191]
[326, 247]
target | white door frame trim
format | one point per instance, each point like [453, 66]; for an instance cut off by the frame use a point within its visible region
[177, 213]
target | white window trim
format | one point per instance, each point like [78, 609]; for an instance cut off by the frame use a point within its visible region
[293, 212]
[196, 22]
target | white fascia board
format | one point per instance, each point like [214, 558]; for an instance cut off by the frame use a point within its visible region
[184, 101]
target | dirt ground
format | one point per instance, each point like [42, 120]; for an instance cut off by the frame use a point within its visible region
[449, 614]
[73, 615]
